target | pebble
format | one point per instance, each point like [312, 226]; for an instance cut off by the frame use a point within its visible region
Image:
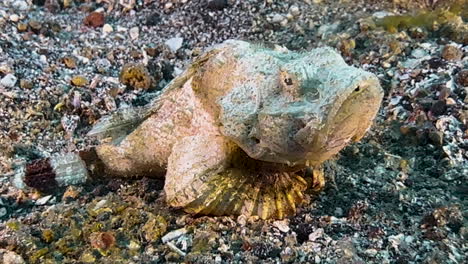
[20, 5]
[418, 53]
[107, 29]
[462, 78]
[35, 26]
[9, 80]
[22, 27]
[174, 43]
[69, 61]
[94, 19]
[282, 226]
[43, 200]
[277, 18]
[217, 4]
[294, 10]
[242, 220]
[3, 212]
[10, 257]
[100, 204]
[174, 235]
[79, 81]
[134, 33]
[316, 234]
[102, 240]
[26, 84]
[14, 18]
[451, 53]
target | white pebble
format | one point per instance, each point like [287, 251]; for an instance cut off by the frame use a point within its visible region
[174, 43]
[277, 18]
[282, 226]
[173, 235]
[106, 29]
[134, 33]
[14, 18]
[43, 200]
[20, 5]
[10, 257]
[294, 10]
[9, 80]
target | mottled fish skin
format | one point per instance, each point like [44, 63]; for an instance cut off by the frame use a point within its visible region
[234, 131]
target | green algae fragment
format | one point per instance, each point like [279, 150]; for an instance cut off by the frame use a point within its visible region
[38, 254]
[154, 228]
[429, 19]
[14, 225]
[204, 241]
[47, 235]
[87, 257]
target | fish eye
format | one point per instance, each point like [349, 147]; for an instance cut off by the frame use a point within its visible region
[288, 81]
[357, 89]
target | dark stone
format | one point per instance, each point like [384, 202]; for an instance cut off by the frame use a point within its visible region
[217, 4]
[436, 63]
[462, 78]
[439, 108]
[38, 2]
[94, 19]
[167, 70]
[153, 19]
[40, 175]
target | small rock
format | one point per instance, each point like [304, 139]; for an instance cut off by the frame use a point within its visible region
[69, 61]
[107, 29]
[26, 84]
[316, 234]
[277, 18]
[288, 255]
[439, 107]
[436, 137]
[418, 53]
[282, 226]
[134, 33]
[79, 81]
[136, 76]
[94, 19]
[43, 200]
[10, 257]
[133, 245]
[100, 204]
[3, 212]
[462, 78]
[242, 220]
[174, 43]
[154, 228]
[20, 5]
[217, 4]
[103, 65]
[153, 19]
[102, 240]
[294, 10]
[347, 46]
[14, 18]
[71, 193]
[451, 53]
[22, 27]
[9, 80]
[35, 26]
[174, 235]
